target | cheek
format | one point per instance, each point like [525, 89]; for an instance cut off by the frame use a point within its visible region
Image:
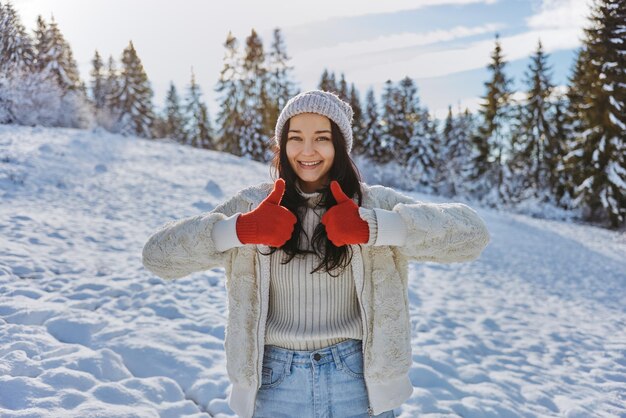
[290, 151]
[329, 155]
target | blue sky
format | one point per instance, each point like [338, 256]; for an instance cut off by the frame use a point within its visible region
[444, 45]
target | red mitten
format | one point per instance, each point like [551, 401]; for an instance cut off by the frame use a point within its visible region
[342, 221]
[268, 224]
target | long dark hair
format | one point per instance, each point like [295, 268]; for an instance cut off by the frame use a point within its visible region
[347, 175]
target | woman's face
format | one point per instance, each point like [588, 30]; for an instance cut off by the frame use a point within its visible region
[309, 141]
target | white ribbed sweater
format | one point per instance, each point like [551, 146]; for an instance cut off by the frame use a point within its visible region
[311, 311]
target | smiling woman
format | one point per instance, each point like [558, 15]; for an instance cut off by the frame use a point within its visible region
[318, 321]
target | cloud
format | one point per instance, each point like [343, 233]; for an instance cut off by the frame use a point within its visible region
[374, 62]
[474, 55]
[394, 42]
[560, 14]
[557, 23]
[296, 13]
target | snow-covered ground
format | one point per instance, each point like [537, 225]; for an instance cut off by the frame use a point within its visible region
[536, 327]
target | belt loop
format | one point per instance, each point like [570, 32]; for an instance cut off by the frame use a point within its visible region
[288, 364]
[338, 363]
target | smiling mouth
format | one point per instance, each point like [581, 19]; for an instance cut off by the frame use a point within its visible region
[309, 164]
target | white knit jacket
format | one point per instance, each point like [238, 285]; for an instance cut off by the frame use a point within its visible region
[444, 233]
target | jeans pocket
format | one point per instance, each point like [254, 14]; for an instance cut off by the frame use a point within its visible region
[352, 365]
[273, 373]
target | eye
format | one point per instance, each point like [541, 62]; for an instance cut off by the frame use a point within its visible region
[293, 137]
[323, 138]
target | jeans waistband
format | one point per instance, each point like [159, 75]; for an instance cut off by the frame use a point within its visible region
[319, 356]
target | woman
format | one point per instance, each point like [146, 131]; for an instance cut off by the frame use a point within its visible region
[317, 268]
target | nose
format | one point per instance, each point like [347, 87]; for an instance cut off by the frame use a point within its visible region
[308, 148]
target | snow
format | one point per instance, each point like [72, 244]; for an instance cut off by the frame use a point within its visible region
[616, 175]
[615, 121]
[534, 328]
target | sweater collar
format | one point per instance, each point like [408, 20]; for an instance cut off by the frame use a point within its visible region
[312, 198]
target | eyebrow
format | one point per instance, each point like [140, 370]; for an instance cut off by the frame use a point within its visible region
[317, 132]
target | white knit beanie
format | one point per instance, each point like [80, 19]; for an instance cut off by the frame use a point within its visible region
[322, 102]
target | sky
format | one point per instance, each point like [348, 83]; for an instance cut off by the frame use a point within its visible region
[444, 45]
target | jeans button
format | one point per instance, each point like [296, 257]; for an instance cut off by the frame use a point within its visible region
[317, 356]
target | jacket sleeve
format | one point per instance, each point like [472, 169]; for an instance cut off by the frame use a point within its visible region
[185, 246]
[439, 232]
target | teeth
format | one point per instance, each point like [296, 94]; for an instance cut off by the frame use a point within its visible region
[309, 164]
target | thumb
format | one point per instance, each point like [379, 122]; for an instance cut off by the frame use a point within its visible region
[338, 194]
[277, 193]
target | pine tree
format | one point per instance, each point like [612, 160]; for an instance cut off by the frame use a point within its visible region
[16, 47]
[342, 91]
[358, 126]
[372, 146]
[253, 139]
[453, 161]
[41, 43]
[173, 120]
[198, 128]
[392, 120]
[491, 142]
[134, 98]
[555, 152]
[36, 93]
[55, 58]
[229, 88]
[98, 91]
[534, 133]
[327, 82]
[597, 151]
[280, 86]
[406, 137]
[423, 148]
[112, 87]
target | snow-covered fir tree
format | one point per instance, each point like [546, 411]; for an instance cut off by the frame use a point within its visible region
[31, 93]
[342, 88]
[423, 163]
[54, 56]
[372, 146]
[112, 85]
[406, 134]
[358, 126]
[55, 61]
[133, 101]
[229, 88]
[280, 85]
[392, 122]
[492, 140]
[254, 139]
[597, 150]
[107, 115]
[555, 153]
[198, 131]
[16, 46]
[533, 133]
[173, 120]
[454, 152]
[98, 82]
[328, 82]
[41, 38]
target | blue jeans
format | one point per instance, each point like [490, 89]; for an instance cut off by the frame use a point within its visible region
[324, 383]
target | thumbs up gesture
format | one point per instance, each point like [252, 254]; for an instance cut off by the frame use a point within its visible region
[342, 221]
[268, 224]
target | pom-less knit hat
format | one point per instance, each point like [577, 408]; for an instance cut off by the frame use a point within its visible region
[321, 102]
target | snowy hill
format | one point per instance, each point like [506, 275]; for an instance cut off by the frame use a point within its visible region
[534, 328]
